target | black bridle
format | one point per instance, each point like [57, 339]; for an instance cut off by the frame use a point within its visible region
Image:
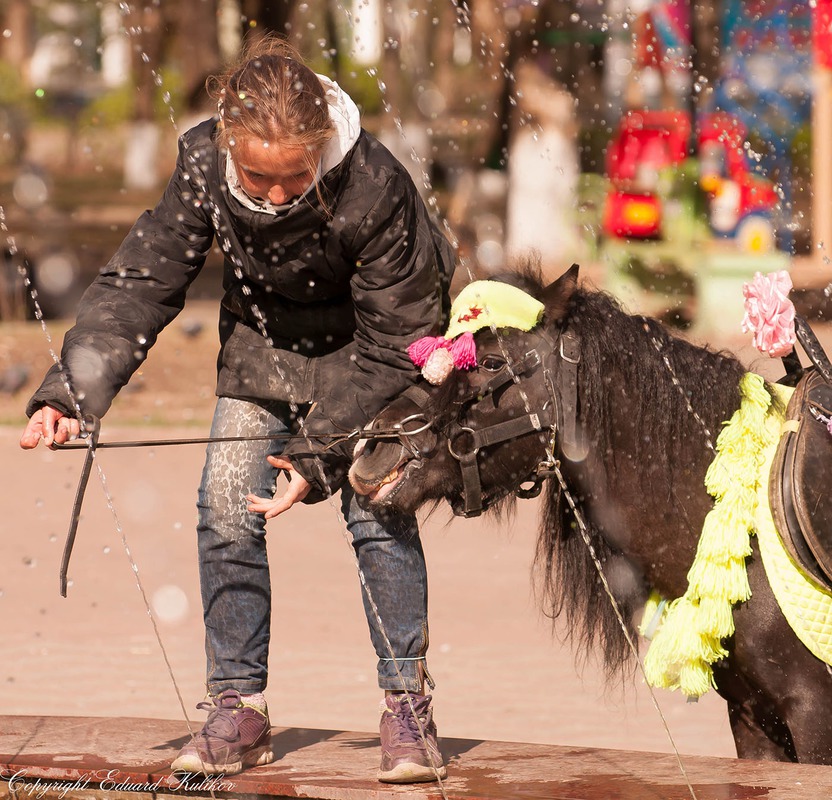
[559, 360]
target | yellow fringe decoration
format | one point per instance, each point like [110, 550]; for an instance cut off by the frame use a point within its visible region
[689, 639]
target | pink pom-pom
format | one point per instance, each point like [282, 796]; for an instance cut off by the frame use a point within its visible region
[464, 351]
[439, 365]
[769, 314]
[421, 349]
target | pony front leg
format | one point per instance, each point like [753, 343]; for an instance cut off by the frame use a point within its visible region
[758, 731]
[808, 711]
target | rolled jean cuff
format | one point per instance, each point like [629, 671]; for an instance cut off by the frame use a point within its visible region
[412, 673]
[215, 689]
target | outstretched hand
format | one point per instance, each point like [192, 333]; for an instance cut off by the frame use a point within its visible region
[52, 426]
[297, 489]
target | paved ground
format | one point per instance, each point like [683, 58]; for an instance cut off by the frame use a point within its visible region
[128, 758]
[501, 673]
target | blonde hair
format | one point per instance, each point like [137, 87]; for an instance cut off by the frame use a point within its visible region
[271, 95]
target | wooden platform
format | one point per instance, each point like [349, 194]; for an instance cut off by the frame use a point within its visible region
[121, 758]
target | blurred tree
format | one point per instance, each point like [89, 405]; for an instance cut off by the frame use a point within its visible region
[490, 39]
[146, 31]
[17, 18]
[261, 16]
[706, 51]
[195, 46]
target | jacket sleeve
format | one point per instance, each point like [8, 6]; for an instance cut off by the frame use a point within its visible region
[131, 300]
[399, 291]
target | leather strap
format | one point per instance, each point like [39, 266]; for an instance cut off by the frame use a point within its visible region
[813, 348]
[471, 485]
[418, 395]
[561, 416]
[572, 444]
[493, 434]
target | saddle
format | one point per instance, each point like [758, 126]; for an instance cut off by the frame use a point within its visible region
[801, 503]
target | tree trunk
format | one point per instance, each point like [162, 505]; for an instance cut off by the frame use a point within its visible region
[18, 19]
[196, 46]
[141, 168]
[263, 16]
[706, 19]
[490, 42]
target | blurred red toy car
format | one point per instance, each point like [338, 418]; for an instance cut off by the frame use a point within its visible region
[646, 143]
[741, 202]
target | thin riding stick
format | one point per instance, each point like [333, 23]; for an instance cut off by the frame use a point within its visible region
[92, 429]
[90, 443]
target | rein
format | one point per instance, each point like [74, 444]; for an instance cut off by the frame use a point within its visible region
[90, 431]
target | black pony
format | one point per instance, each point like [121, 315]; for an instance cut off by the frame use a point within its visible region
[637, 412]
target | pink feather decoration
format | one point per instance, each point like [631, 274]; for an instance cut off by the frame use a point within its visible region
[464, 351]
[421, 349]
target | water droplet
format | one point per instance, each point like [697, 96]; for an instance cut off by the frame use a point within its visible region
[170, 603]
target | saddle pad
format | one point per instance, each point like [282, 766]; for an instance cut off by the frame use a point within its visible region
[805, 604]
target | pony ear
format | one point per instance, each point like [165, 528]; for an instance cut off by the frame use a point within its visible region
[556, 295]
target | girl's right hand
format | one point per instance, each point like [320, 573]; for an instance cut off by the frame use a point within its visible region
[52, 426]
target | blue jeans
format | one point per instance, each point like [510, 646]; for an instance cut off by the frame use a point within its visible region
[234, 568]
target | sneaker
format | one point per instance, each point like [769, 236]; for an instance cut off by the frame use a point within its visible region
[404, 758]
[234, 736]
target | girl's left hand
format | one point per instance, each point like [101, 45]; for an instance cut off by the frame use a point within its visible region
[297, 489]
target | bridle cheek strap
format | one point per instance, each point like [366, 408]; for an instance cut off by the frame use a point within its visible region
[493, 434]
[573, 443]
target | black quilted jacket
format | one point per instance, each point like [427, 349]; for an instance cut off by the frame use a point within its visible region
[319, 303]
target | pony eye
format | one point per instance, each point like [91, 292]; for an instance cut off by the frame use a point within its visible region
[492, 363]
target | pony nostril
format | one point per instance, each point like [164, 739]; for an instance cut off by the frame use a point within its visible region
[371, 446]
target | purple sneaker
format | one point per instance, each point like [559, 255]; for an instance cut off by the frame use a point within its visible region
[404, 757]
[234, 736]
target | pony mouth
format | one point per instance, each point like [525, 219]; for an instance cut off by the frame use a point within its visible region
[377, 491]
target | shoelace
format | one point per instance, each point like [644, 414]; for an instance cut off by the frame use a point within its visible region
[408, 729]
[220, 723]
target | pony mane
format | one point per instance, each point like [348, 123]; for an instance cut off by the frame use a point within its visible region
[678, 376]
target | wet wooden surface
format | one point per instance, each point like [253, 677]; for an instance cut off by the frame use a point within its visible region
[96, 757]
